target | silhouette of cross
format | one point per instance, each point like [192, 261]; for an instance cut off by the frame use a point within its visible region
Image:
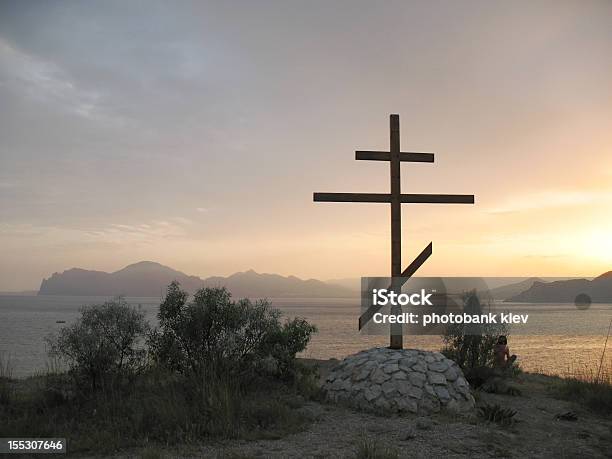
[396, 198]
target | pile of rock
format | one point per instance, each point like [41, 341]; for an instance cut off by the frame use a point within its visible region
[394, 381]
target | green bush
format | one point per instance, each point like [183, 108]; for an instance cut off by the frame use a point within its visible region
[472, 345]
[215, 334]
[211, 351]
[105, 345]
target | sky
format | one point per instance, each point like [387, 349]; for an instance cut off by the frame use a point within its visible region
[194, 134]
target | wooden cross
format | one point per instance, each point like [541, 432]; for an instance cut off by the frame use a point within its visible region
[396, 198]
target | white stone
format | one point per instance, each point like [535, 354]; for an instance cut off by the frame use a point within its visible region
[417, 379]
[388, 388]
[442, 393]
[438, 366]
[421, 367]
[362, 374]
[436, 378]
[406, 364]
[402, 387]
[404, 381]
[379, 376]
[407, 404]
[390, 368]
[372, 392]
[451, 374]
[430, 390]
[414, 392]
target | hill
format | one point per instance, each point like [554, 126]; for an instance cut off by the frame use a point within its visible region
[145, 278]
[565, 291]
[150, 279]
[510, 290]
[250, 283]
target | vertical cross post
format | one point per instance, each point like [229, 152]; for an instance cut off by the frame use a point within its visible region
[396, 198]
[396, 339]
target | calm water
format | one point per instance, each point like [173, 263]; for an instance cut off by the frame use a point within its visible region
[561, 340]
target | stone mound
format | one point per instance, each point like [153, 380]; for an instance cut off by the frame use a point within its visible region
[386, 380]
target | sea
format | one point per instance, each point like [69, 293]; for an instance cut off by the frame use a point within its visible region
[558, 338]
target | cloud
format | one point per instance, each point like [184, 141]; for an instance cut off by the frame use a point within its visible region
[182, 220]
[545, 256]
[112, 233]
[146, 233]
[45, 82]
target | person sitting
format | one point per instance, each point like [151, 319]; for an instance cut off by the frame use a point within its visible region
[503, 359]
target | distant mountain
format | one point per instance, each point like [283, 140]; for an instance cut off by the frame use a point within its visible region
[510, 290]
[150, 279]
[145, 278]
[565, 291]
[252, 284]
[351, 283]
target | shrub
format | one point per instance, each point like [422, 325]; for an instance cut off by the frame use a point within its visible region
[216, 334]
[104, 345]
[161, 405]
[472, 345]
[282, 345]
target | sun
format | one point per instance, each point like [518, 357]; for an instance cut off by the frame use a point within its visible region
[597, 245]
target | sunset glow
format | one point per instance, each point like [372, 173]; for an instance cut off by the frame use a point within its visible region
[199, 145]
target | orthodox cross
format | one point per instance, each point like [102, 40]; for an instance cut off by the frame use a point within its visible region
[396, 198]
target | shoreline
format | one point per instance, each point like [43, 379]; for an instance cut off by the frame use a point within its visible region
[574, 359]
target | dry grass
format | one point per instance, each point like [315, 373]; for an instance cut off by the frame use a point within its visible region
[591, 372]
[588, 385]
[497, 414]
[6, 375]
[158, 408]
[371, 448]
[6, 367]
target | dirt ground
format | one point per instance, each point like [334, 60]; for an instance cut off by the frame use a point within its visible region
[337, 432]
